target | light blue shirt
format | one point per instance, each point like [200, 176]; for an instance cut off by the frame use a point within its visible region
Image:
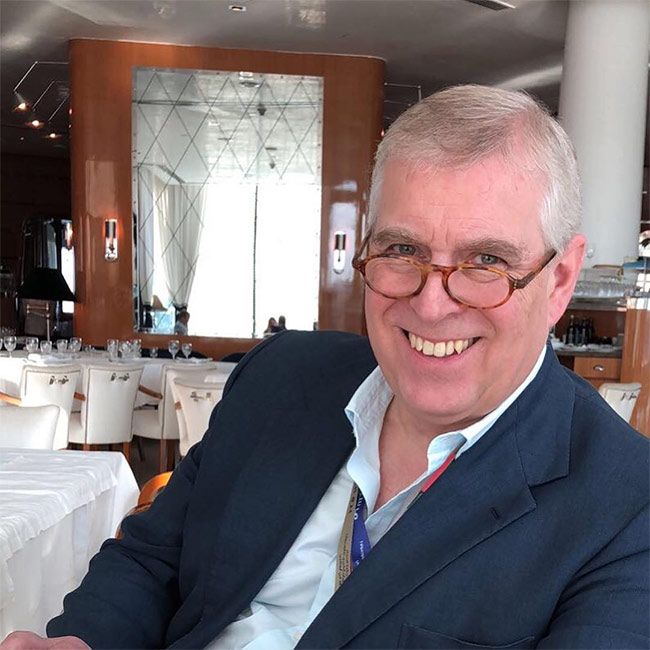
[305, 579]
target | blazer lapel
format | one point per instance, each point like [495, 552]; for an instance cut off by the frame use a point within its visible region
[281, 484]
[476, 497]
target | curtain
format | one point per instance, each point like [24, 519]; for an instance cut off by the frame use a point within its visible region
[146, 219]
[180, 222]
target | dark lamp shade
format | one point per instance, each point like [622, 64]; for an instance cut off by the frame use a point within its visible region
[45, 284]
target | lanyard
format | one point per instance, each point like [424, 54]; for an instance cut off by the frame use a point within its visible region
[354, 544]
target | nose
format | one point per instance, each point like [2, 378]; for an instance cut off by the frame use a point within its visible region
[433, 303]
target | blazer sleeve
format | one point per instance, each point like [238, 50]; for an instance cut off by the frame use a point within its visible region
[607, 604]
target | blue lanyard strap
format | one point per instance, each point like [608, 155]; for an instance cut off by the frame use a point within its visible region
[354, 543]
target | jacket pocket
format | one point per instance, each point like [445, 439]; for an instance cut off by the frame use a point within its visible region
[412, 636]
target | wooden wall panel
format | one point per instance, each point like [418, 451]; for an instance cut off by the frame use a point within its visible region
[636, 364]
[101, 82]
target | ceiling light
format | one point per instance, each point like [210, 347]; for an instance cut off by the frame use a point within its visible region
[238, 8]
[53, 136]
[21, 107]
[35, 124]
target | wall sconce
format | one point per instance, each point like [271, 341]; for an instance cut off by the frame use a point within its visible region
[110, 237]
[339, 252]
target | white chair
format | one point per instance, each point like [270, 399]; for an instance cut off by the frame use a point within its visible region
[28, 427]
[41, 385]
[106, 416]
[195, 402]
[621, 397]
[161, 423]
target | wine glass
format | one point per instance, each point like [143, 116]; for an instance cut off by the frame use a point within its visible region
[136, 348]
[186, 349]
[46, 347]
[61, 346]
[10, 343]
[31, 344]
[153, 352]
[173, 348]
[111, 348]
[75, 345]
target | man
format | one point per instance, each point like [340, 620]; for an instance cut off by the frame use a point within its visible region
[467, 493]
[182, 319]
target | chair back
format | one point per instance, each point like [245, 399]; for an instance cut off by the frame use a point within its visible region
[28, 427]
[41, 385]
[197, 401]
[107, 412]
[167, 409]
[621, 397]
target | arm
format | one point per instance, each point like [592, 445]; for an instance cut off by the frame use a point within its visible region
[607, 606]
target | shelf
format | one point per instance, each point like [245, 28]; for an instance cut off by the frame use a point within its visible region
[602, 304]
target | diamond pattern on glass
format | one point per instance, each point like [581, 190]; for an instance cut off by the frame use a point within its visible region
[193, 130]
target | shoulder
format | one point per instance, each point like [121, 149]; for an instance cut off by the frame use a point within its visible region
[607, 456]
[328, 362]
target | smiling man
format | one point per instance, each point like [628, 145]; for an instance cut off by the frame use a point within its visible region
[446, 485]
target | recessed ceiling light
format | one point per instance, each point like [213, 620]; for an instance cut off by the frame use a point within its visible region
[53, 136]
[21, 107]
[35, 124]
[239, 8]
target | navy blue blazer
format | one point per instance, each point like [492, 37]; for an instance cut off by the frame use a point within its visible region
[537, 537]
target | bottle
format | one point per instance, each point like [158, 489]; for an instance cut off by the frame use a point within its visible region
[569, 336]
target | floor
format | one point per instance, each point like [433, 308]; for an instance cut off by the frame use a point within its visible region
[144, 469]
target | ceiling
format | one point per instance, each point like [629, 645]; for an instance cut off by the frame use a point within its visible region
[427, 45]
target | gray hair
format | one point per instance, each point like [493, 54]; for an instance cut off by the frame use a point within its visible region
[462, 125]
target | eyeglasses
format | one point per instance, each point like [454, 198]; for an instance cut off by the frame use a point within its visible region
[479, 287]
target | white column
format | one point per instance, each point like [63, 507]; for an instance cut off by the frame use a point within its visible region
[603, 106]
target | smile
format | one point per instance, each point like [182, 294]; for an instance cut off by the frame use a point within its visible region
[439, 348]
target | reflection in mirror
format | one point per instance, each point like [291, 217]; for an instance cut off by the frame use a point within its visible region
[226, 200]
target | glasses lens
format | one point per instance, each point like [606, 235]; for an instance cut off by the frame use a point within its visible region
[478, 287]
[394, 278]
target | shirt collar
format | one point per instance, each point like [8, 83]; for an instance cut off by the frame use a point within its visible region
[367, 407]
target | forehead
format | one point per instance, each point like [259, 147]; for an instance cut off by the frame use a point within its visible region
[488, 199]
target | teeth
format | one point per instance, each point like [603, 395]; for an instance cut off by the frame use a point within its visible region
[439, 348]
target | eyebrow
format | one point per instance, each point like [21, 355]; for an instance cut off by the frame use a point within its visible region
[389, 235]
[499, 247]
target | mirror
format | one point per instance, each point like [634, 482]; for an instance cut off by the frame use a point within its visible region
[226, 200]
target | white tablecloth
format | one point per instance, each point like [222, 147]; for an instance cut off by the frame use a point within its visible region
[56, 509]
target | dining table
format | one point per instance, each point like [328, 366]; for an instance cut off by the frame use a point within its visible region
[56, 510]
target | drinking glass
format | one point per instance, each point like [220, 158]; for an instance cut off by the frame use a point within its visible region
[173, 348]
[75, 345]
[10, 343]
[31, 344]
[126, 349]
[46, 347]
[153, 352]
[186, 349]
[61, 345]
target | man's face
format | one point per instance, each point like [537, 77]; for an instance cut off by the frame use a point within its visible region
[485, 214]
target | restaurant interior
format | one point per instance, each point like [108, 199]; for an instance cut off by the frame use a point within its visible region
[181, 179]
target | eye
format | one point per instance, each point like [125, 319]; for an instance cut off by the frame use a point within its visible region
[408, 250]
[487, 259]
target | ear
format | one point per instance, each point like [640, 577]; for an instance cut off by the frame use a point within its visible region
[563, 278]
